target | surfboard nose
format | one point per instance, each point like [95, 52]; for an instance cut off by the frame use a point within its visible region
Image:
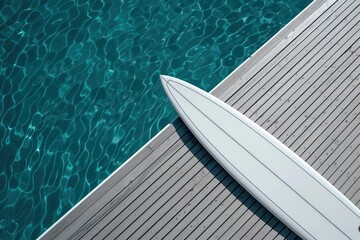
[164, 79]
[165, 82]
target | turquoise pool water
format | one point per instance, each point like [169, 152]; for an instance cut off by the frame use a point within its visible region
[80, 89]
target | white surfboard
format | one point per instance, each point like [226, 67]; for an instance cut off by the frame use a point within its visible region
[285, 184]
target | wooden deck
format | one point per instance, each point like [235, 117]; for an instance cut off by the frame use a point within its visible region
[302, 86]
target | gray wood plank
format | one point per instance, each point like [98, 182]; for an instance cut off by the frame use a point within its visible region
[324, 128]
[93, 202]
[150, 183]
[303, 105]
[261, 61]
[343, 160]
[350, 180]
[185, 206]
[290, 104]
[279, 227]
[244, 232]
[202, 200]
[349, 163]
[211, 203]
[173, 206]
[234, 201]
[207, 227]
[235, 211]
[256, 228]
[140, 230]
[287, 100]
[341, 141]
[231, 83]
[356, 198]
[265, 231]
[283, 234]
[108, 201]
[239, 223]
[324, 131]
[283, 72]
[163, 193]
[318, 101]
[332, 107]
[253, 80]
[354, 188]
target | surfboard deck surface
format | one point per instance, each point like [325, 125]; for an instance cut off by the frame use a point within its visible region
[284, 183]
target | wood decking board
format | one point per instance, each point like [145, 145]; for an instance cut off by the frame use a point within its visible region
[197, 192]
[186, 215]
[288, 77]
[217, 222]
[168, 196]
[151, 195]
[333, 151]
[335, 170]
[251, 79]
[123, 180]
[295, 103]
[302, 86]
[311, 123]
[204, 207]
[346, 169]
[205, 220]
[245, 73]
[129, 209]
[286, 101]
[174, 206]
